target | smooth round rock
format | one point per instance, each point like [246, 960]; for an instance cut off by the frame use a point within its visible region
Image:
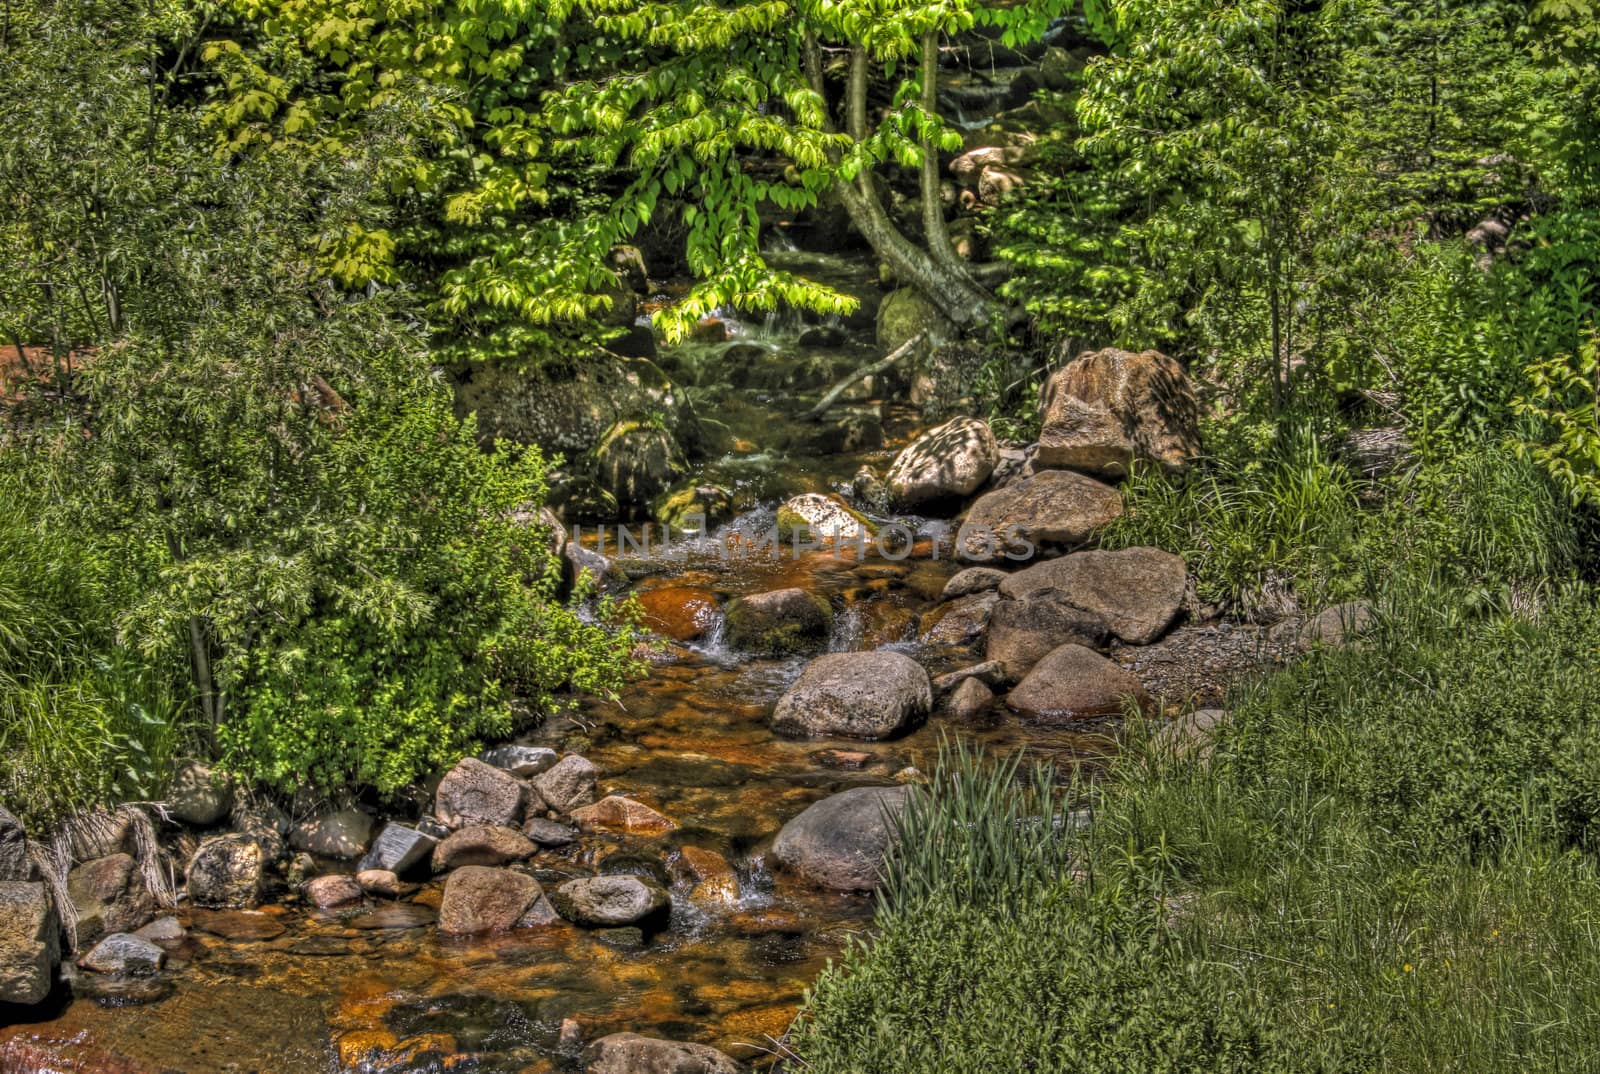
[608, 901]
[1072, 683]
[629, 1053]
[944, 463]
[839, 842]
[859, 695]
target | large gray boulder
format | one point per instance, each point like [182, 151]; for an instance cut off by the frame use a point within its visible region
[1023, 632]
[779, 622]
[609, 901]
[1105, 409]
[1050, 509]
[568, 785]
[944, 464]
[629, 1053]
[225, 872]
[1074, 683]
[480, 899]
[1136, 592]
[14, 864]
[858, 695]
[199, 795]
[477, 793]
[30, 937]
[839, 842]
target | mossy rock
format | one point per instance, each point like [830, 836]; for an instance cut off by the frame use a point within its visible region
[822, 517]
[678, 508]
[781, 622]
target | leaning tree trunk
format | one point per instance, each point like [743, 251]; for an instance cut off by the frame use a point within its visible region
[934, 271]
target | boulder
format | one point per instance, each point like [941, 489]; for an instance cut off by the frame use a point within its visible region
[637, 461]
[972, 580]
[1073, 682]
[1137, 592]
[14, 864]
[477, 793]
[1106, 408]
[199, 795]
[30, 937]
[839, 842]
[380, 882]
[629, 1053]
[679, 612]
[335, 889]
[585, 567]
[944, 464]
[708, 875]
[959, 621]
[342, 834]
[108, 895]
[609, 901]
[990, 673]
[263, 821]
[904, 313]
[1337, 626]
[860, 695]
[821, 519]
[1052, 507]
[166, 929]
[618, 814]
[779, 622]
[398, 849]
[968, 699]
[481, 899]
[694, 508]
[570, 784]
[968, 168]
[482, 844]
[126, 954]
[225, 872]
[1023, 632]
[549, 833]
[521, 761]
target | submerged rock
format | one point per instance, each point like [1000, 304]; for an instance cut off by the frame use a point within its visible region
[780, 622]
[839, 842]
[1051, 508]
[629, 1053]
[944, 464]
[859, 695]
[29, 942]
[480, 899]
[225, 872]
[1136, 592]
[476, 793]
[1073, 682]
[618, 814]
[680, 612]
[609, 901]
[1106, 408]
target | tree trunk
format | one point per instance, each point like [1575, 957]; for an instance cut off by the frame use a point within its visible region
[946, 283]
[936, 234]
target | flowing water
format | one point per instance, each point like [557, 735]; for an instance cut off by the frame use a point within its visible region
[379, 989]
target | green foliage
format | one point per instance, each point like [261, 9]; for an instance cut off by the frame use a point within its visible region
[1565, 400]
[266, 468]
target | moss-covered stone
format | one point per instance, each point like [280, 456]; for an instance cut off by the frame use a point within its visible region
[781, 622]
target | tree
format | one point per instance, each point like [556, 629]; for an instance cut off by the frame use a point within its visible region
[270, 461]
[659, 109]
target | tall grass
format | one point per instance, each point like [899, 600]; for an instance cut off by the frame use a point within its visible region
[1386, 864]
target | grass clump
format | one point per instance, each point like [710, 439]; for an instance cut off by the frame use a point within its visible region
[1387, 863]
